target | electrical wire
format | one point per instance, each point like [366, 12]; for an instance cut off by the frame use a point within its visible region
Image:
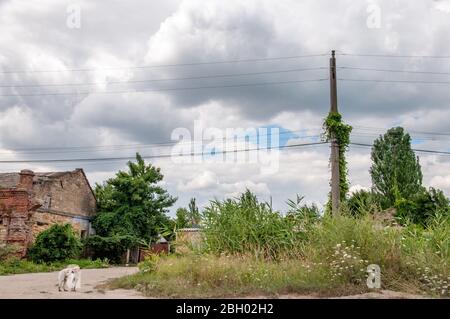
[158, 145]
[414, 149]
[157, 156]
[169, 65]
[392, 71]
[168, 89]
[394, 55]
[394, 81]
[162, 80]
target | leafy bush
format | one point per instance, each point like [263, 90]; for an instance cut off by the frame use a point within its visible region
[362, 202]
[422, 207]
[244, 225]
[112, 247]
[57, 243]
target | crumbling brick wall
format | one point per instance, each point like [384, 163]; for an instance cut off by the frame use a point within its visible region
[68, 192]
[43, 220]
[16, 208]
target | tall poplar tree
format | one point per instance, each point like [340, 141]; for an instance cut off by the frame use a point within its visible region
[395, 171]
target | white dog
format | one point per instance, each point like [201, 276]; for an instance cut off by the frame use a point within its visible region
[69, 277]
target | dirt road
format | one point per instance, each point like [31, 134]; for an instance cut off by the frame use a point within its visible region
[44, 285]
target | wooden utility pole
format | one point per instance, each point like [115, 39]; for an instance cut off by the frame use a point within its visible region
[335, 191]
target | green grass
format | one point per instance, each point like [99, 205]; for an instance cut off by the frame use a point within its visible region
[329, 259]
[22, 266]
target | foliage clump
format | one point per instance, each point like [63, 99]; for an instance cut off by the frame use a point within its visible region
[57, 243]
[334, 127]
[111, 248]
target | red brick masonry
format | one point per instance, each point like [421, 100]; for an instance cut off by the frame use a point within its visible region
[16, 209]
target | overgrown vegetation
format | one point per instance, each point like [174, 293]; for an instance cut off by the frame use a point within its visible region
[54, 249]
[324, 256]
[335, 128]
[244, 225]
[111, 248]
[422, 207]
[57, 243]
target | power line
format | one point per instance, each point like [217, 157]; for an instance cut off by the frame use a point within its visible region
[157, 156]
[394, 81]
[414, 149]
[412, 131]
[95, 148]
[161, 80]
[392, 71]
[417, 137]
[394, 55]
[169, 65]
[168, 89]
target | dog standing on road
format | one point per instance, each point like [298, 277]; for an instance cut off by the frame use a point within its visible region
[69, 277]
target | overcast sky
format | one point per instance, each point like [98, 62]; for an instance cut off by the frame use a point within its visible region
[107, 46]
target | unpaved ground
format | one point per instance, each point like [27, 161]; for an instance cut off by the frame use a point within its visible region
[44, 285]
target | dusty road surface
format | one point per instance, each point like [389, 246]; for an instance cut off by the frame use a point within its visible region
[44, 285]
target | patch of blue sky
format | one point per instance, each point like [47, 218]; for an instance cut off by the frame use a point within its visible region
[417, 141]
[270, 136]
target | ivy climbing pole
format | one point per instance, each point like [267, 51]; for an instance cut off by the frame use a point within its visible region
[338, 134]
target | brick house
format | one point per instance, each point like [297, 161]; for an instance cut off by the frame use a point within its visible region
[32, 202]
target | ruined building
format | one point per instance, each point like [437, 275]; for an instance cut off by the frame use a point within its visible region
[31, 202]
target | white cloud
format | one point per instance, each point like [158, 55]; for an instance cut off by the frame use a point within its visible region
[114, 34]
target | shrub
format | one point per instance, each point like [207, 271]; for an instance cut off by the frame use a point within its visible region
[422, 207]
[57, 243]
[112, 247]
[362, 202]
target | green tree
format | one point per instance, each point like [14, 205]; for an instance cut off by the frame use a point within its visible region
[182, 219]
[132, 203]
[395, 171]
[193, 213]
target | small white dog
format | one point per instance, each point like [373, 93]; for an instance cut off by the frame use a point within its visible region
[69, 277]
